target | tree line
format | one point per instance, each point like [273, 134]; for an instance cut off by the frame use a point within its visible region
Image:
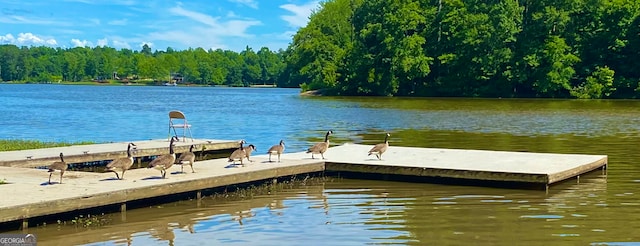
[470, 48]
[198, 66]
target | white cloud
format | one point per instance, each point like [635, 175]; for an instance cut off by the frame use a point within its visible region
[121, 44]
[198, 29]
[249, 3]
[68, 31]
[7, 39]
[16, 19]
[27, 39]
[103, 42]
[121, 22]
[80, 1]
[199, 17]
[114, 2]
[301, 13]
[77, 43]
[231, 14]
[288, 35]
[95, 21]
[177, 25]
[150, 44]
[213, 26]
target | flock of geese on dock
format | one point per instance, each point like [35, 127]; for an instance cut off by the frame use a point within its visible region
[166, 161]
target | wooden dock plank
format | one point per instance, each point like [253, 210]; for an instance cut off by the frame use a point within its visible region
[546, 168]
[105, 151]
[32, 197]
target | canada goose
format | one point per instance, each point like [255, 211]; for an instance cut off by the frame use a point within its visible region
[321, 147]
[238, 154]
[380, 148]
[164, 162]
[187, 158]
[58, 165]
[123, 163]
[276, 149]
[248, 150]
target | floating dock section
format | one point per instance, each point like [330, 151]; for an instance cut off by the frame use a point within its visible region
[29, 195]
[106, 151]
[540, 169]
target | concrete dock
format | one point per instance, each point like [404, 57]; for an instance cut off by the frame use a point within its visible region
[106, 151]
[525, 167]
[28, 194]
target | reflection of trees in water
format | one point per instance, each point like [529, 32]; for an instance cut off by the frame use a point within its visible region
[240, 215]
[276, 206]
[164, 221]
[186, 224]
[163, 233]
[590, 188]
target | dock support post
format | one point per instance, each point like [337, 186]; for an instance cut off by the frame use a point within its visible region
[25, 224]
[198, 198]
[139, 162]
[123, 212]
[546, 189]
[578, 179]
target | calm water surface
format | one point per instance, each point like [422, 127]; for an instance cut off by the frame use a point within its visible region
[353, 212]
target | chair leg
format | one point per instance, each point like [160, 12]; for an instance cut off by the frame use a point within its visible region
[174, 132]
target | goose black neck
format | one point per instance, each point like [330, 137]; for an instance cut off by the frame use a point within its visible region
[171, 146]
[386, 138]
[61, 158]
[326, 137]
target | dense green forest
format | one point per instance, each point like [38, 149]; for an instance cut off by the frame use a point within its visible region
[472, 48]
[485, 48]
[197, 66]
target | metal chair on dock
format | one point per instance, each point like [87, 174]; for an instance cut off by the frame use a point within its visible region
[177, 119]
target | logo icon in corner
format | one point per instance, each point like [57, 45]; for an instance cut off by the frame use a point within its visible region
[30, 239]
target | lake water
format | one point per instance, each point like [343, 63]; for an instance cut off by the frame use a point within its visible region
[599, 209]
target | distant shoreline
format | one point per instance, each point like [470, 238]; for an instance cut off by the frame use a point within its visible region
[130, 83]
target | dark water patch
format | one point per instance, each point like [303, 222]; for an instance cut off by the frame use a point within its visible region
[438, 180]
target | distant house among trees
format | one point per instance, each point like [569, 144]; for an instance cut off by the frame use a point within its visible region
[176, 78]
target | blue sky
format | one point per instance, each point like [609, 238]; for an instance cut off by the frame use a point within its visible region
[224, 24]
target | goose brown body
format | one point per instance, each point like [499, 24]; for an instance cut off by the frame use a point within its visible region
[320, 148]
[380, 148]
[58, 165]
[248, 150]
[276, 149]
[121, 164]
[187, 158]
[238, 154]
[165, 162]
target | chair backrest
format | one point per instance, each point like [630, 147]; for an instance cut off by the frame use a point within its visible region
[176, 115]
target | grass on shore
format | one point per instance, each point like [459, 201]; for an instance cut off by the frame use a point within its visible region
[21, 144]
